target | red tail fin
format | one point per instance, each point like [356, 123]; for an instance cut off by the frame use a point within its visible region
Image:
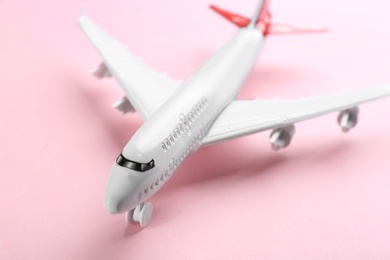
[264, 21]
[237, 19]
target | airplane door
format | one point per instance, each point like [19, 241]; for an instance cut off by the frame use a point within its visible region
[170, 167]
[185, 123]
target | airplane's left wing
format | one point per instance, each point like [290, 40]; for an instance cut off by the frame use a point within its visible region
[246, 117]
[146, 89]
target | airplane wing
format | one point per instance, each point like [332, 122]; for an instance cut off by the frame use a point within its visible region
[145, 88]
[246, 117]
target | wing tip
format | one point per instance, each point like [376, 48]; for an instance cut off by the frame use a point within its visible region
[82, 16]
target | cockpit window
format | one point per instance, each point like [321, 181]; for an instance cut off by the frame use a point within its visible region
[139, 167]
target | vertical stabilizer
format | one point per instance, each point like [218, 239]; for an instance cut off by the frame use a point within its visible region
[256, 15]
[262, 19]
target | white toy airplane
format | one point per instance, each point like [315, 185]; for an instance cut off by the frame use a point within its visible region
[180, 118]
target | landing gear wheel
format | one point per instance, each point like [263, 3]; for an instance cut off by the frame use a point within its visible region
[129, 216]
[142, 214]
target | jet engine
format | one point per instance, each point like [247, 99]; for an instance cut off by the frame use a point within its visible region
[101, 71]
[281, 137]
[123, 105]
[348, 119]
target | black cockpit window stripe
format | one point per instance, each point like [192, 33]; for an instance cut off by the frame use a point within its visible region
[140, 167]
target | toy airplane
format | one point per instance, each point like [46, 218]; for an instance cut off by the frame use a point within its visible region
[180, 118]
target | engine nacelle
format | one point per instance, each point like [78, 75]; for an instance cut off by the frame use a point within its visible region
[101, 71]
[123, 105]
[281, 137]
[348, 119]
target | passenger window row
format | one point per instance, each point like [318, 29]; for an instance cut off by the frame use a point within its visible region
[163, 177]
[173, 164]
[183, 126]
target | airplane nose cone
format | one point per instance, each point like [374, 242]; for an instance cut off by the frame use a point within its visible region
[111, 205]
[120, 191]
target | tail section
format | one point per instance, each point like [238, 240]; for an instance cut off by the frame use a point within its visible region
[262, 18]
[237, 19]
[280, 29]
[261, 7]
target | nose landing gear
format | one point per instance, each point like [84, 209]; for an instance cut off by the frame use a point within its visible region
[142, 214]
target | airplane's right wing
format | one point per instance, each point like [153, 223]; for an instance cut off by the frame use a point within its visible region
[247, 117]
[146, 89]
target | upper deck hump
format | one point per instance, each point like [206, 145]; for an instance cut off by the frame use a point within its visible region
[216, 81]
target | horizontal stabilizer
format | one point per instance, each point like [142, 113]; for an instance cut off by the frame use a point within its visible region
[263, 20]
[237, 19]
[275, 29]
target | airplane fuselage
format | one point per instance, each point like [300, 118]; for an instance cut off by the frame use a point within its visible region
[178, 127]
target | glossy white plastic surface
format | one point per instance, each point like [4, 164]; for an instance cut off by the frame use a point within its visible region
[146, 89]
[203, 110]
[246, 117]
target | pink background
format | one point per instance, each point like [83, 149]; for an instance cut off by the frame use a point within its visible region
[326, 197]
